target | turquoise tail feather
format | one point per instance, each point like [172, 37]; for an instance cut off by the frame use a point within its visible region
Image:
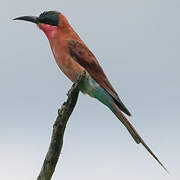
[91, 87]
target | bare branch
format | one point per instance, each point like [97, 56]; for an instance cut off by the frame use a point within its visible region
[56, 143]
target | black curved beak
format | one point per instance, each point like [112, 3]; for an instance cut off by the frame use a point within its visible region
[32, 19]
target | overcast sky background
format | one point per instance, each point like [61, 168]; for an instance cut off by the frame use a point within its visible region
[137, 43]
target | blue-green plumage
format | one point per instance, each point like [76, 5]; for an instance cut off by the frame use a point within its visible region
[93, 89]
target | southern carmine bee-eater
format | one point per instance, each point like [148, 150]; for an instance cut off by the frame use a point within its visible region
[73, 57]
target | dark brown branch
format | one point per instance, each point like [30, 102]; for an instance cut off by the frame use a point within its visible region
[56, 143]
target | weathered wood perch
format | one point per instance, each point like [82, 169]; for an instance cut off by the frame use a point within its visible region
[59, 127]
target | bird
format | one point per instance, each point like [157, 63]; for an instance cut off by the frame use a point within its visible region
[73, 58]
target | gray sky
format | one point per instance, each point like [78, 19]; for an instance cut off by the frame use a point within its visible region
[137, 43]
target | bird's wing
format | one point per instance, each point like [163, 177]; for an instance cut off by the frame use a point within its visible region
[85, 58]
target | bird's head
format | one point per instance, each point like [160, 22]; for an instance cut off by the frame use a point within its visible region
[48, 21]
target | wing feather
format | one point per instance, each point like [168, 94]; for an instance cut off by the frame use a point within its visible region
[85, 58]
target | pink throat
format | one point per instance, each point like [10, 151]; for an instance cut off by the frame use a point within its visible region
[49, 30]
